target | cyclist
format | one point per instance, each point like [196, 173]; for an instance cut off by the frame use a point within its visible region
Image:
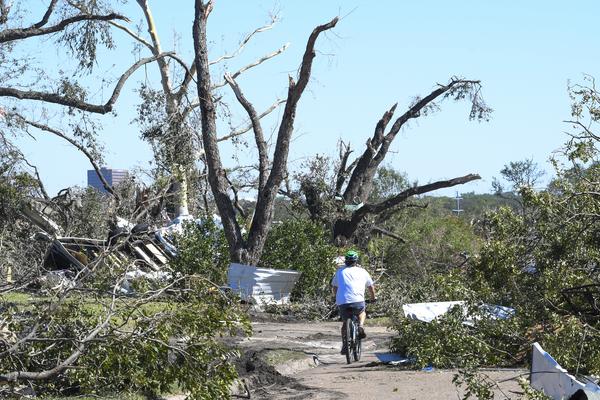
[349, 284]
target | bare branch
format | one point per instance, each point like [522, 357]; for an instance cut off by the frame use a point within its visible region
[132, 34]
[252, 65]
[46, 16]
[79, 147]
[342, 173]
[413, 191]
[345, 228]
[76, 103]
[244, 42]
[248, 127]
[188, 78]
[236, 201]
[10, 35]
[587, 130]
[263, 156]
[38, 178]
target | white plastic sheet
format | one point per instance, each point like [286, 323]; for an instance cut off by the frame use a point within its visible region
[427, 312]
[260, 285]
[552, 379]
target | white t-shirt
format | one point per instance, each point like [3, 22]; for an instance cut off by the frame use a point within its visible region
[351, 282]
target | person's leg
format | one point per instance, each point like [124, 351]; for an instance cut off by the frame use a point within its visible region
[361, 320]
[361, 317]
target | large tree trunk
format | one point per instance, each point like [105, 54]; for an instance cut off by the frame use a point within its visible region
[216, 174]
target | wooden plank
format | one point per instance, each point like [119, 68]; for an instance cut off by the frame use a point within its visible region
[144, 257]
[156, 252]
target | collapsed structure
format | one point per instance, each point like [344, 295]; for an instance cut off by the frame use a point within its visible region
[144, 252]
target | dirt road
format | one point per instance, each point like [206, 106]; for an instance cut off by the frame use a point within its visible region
[307, 355]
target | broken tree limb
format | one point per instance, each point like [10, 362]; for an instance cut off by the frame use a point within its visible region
[360, 183]
[345, 228]
[385, 232]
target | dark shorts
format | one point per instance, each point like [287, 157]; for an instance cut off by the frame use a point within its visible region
[349, 309]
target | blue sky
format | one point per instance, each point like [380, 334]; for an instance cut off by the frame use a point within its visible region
[380, 53]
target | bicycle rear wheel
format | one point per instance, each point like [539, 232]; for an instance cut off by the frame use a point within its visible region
[357, 348]
[348, 342]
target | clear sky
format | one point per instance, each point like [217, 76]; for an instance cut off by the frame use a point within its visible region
[380, 53]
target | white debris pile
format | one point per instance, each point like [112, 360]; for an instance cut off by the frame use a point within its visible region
[166, 235]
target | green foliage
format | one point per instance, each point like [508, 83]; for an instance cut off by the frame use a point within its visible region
[303, 246]
[450, 343]
[533, 259]
[203, 250]
[144, 351]
[435, 243]
[168, 334]
[477, 385]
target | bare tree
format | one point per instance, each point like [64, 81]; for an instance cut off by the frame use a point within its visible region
[353, 181]
[170, 130]
[241, 249]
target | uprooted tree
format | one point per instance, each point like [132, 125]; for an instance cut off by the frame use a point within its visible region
[353, 182]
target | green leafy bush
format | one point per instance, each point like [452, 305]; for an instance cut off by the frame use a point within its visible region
[203, 250]
[301, 245]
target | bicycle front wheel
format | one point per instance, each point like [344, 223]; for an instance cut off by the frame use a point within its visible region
[348, 342]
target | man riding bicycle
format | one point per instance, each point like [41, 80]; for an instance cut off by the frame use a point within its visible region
[349, 284]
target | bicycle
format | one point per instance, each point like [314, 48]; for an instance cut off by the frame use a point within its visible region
[352, 342]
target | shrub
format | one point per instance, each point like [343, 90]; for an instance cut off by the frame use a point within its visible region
[301, 245]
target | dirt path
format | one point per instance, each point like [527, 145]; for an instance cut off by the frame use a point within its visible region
[308, 355]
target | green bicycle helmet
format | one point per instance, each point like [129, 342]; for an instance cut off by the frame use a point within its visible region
[351, 257]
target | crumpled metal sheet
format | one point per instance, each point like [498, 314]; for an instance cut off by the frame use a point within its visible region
[260, 285]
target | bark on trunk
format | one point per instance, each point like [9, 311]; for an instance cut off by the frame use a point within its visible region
[208, 119]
